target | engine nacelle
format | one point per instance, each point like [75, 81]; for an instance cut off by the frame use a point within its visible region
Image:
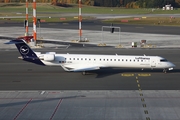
[37, 53]
[50, 52]
[48, 57]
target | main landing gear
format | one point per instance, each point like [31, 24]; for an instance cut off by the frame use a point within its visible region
[84, 73]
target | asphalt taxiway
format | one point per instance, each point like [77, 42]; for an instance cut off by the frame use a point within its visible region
[29, 91]
[19, 75]
[96, 25]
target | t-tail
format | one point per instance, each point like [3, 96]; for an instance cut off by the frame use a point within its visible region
[26, 52]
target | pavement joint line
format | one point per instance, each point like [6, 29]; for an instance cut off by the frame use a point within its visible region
[22, 109]
[33, 91]
[55, 110]
[7, 91]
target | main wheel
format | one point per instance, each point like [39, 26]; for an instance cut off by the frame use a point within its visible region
[83, 73]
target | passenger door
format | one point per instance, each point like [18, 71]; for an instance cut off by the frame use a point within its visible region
[153, 63]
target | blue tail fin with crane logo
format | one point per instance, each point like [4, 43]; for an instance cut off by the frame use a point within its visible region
[26, 52]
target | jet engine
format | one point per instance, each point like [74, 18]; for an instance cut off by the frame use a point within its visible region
[47, 57]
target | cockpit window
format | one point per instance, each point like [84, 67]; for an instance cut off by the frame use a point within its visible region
[163, 60]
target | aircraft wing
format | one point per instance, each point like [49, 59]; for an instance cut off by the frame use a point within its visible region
[80, 68]
[86, 68]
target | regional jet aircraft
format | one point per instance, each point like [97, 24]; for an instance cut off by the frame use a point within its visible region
[88, 62]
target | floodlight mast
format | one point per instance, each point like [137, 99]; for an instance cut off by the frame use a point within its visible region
[26, 21]
[80, 20]
[34, 21]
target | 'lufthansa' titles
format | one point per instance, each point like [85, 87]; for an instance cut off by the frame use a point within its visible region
[142, 58]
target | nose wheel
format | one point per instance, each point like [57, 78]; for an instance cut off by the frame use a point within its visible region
[164, 70]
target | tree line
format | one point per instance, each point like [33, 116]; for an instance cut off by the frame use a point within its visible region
[136, 3]
[109, 3]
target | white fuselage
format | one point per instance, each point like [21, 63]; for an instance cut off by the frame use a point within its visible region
[124, 61]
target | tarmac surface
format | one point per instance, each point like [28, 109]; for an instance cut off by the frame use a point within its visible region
[35, 92]
[96, 25]
[96, 37]
[90, 105]
[20, 75]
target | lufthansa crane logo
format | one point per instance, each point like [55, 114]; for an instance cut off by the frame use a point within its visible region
[24, 49]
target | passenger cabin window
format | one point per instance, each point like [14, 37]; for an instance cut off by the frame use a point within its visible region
[163, 60]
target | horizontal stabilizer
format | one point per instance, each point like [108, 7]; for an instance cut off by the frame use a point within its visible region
[14, 42]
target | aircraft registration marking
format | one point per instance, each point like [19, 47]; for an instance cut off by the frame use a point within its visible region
[127, 75]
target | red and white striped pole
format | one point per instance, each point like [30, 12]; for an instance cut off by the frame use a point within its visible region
[26, 23]
[34, 21]
[80, 20]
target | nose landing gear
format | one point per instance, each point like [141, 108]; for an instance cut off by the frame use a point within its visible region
[164, 70]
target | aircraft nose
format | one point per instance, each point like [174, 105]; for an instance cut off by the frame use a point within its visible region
[171, 66]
